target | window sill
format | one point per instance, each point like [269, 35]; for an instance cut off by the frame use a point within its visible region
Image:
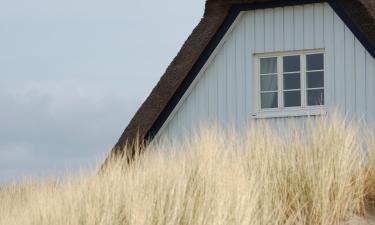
[290, 112]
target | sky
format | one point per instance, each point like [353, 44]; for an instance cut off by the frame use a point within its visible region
[73, 73]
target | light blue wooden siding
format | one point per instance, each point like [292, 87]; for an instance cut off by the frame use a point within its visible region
[223, 93]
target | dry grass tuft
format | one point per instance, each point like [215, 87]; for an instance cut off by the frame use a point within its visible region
[323, 175]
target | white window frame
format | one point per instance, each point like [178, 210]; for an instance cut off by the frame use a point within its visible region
[304, 109]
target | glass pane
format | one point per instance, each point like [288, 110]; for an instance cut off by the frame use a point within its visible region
[268, 65]
[315, 62]
[268, 83]
[291, 63]
[269, 100]
[292, 81]
[292, 98]
[315, 97]
[315, 79]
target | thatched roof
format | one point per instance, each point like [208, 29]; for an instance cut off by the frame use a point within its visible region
[359, 16]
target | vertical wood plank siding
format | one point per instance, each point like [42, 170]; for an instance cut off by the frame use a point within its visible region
[223, 92]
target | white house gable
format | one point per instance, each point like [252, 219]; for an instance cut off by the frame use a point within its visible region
[226, 91]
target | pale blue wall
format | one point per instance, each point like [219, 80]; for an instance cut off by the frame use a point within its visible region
[224, 90]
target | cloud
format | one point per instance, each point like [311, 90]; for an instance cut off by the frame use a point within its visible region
[74, 72]
[56, 125]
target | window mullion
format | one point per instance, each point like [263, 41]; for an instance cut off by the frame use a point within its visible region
[280, 81]
[303, 81]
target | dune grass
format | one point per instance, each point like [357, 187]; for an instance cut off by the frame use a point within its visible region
[323, 175]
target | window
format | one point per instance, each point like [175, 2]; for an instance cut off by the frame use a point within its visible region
[291, 81]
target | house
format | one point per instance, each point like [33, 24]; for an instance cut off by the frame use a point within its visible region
[265, 59]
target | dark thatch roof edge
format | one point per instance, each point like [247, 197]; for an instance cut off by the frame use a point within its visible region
[358, 15]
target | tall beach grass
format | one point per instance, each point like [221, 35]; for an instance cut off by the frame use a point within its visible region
[322, 175]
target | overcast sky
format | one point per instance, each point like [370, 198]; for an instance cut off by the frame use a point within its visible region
[73, 73]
